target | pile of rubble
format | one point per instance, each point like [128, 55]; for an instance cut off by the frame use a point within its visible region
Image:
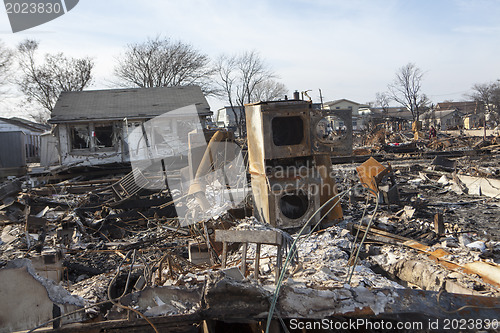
[116, 263]
[382, 141]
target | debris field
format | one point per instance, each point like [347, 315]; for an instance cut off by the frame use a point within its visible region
[418, 239]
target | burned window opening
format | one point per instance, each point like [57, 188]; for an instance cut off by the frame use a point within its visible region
[287, 130]
[183, 129]
[294, 205]
[80, 138]
[103, 136]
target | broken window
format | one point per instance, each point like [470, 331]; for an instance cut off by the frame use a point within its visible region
[287, 130]
[103, 136]
[80, 138]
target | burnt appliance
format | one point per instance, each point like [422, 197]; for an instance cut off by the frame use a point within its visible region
[284, 139]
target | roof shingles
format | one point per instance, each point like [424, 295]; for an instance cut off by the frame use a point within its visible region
[126, 103]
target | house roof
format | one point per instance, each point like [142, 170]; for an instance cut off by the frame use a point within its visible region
[464, 107]
[32, 126]
[126, 103]
[337, 101]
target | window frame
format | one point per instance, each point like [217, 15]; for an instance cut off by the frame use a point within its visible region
[93, 146]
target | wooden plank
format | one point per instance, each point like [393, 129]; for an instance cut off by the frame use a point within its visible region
[439, 224]
[244, 259]
[224, 254]
[379, 234]
[278, 263]
[257, 262]
[248, 236]
[490, 272]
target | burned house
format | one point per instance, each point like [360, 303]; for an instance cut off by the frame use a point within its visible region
[93, 127]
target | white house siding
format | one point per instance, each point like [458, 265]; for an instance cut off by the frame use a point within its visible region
[357, 121]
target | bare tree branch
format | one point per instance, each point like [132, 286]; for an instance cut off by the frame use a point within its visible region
[245, 78]
[487, 95]
[382, 101]
[43, 83]
[162, 63]
[6, 61]
[269, 90]
[405, 89]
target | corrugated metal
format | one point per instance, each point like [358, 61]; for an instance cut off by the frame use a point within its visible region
[12, 149]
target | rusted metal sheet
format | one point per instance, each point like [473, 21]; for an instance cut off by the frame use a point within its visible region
[380, 179]
[371, 172]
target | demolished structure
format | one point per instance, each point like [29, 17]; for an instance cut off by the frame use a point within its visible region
[93, 127]
[316, 237]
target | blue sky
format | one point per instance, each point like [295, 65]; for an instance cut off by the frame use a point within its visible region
[348, 49]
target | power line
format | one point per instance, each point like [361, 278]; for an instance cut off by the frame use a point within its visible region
[454, 93]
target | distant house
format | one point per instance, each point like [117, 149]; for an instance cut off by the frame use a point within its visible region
[224, 117]
[443, 119]
[92, 127]
[473, 112]
[358, 122]
[462, 107]
[473, 120]
[20, 143]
